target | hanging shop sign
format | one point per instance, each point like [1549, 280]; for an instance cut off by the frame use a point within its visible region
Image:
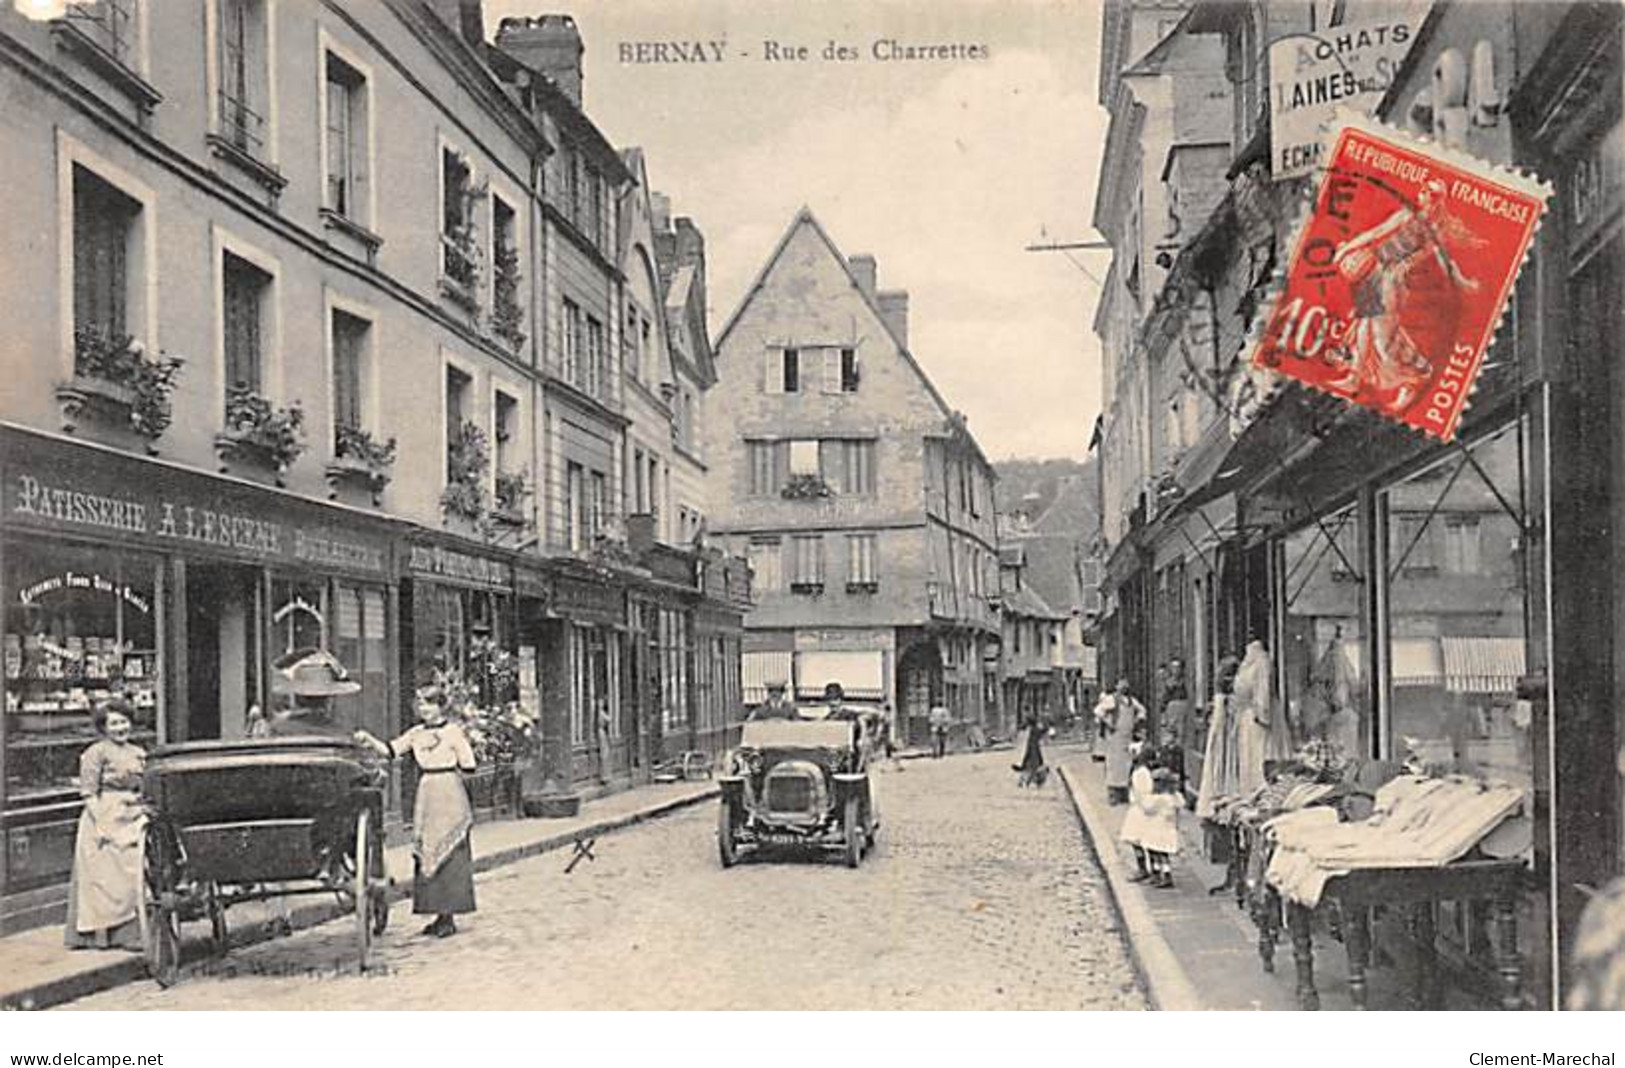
[424, 560]
[1313, 75]
[176, 511]
[586, 601]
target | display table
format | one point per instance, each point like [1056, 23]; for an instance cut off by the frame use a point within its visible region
[1499, 882]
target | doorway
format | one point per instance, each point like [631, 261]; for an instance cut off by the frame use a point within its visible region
[224, 647]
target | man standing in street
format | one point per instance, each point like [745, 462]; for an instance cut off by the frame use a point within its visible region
[939, 729]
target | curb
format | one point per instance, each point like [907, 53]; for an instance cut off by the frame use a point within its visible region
[1164, 977]
[133, 967]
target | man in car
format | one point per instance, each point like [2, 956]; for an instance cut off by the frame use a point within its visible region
[776, 707]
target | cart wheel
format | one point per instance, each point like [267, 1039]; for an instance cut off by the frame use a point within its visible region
[216, 909]
[853, 827]
[727, 847]
[360, 889]
[378, 879]
[160, 924]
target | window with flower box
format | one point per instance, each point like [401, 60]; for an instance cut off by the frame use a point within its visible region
[105, 267]
[245, 292]
[350, 335]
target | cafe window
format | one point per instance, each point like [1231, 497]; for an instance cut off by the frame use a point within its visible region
[1456, 640]
[81, 626]
[1325, 694]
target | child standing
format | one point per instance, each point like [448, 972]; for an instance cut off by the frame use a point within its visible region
[1160, 832]
[1151, 827]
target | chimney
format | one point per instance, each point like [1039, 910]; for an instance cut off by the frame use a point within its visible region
[466, 17]
[690, 243]
[550, 44]
[863, 269]
[894, 310]
[660, 212]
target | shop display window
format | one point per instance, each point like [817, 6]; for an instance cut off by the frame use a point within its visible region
[1455, 608]
[1322, 660]
[81, 625]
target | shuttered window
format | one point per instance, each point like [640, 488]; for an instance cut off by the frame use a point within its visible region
[102, 218]
[243, 298]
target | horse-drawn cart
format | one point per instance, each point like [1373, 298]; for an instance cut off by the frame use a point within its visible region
[252, 820]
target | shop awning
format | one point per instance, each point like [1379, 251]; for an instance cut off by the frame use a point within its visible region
[756, 670]
[1416, 662]
[861, 673]
[1483, 665]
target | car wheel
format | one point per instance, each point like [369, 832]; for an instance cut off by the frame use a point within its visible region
[854, 833]
[727, 847]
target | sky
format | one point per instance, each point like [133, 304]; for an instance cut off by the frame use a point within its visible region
[943, 170]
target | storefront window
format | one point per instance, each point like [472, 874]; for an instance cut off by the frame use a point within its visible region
[1455, 611]
[299, 615]
[673, 669]
[81, 626]
[358, 638]
[1325, 693]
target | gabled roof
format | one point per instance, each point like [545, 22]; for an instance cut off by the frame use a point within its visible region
[1023, 601]
[805, 217]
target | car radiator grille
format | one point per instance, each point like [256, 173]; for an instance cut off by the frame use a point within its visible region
[790, 794]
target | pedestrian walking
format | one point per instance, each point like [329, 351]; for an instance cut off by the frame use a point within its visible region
[1117, 717]
[104, 889]
[939, 729]
[1031, 770]
[443, 875]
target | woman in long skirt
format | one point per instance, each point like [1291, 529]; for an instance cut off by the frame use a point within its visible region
[443, 874]
[1118, 714]
[1220, 761]
[1031, 770]
[103, 895]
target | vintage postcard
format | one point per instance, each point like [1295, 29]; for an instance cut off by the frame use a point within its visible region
[1067, 505]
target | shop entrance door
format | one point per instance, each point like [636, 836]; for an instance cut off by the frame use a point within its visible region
[223, 651]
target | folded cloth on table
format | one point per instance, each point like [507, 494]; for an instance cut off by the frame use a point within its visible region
[1418, 823]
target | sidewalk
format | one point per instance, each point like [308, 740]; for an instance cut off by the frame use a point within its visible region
[40, 972]
[1195, 950]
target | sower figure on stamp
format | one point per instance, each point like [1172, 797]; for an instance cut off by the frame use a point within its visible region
[1407, 292]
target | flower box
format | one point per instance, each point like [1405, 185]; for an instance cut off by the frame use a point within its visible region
[258, 434]
[359, 460]
[805, 487]
[117, 386]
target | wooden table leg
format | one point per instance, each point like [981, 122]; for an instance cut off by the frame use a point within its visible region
[1267, 918]
[1241, 854]
[1424, 932]
[1303, 955]
[1508, 962]
[1357, 941]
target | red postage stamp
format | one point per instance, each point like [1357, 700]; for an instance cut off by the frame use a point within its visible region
[1399, 276]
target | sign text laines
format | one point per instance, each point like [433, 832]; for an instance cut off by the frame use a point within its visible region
[187, 523]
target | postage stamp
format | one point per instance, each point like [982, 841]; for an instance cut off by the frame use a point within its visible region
[1399, 275]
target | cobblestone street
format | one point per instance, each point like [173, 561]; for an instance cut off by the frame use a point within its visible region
[979, 895]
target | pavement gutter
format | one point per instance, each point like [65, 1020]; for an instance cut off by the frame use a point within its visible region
[129, 968]
[1159, 969]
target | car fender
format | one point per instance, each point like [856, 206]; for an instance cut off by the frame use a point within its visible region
[851, 784]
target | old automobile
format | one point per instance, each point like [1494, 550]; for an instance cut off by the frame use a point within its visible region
[801, 782]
